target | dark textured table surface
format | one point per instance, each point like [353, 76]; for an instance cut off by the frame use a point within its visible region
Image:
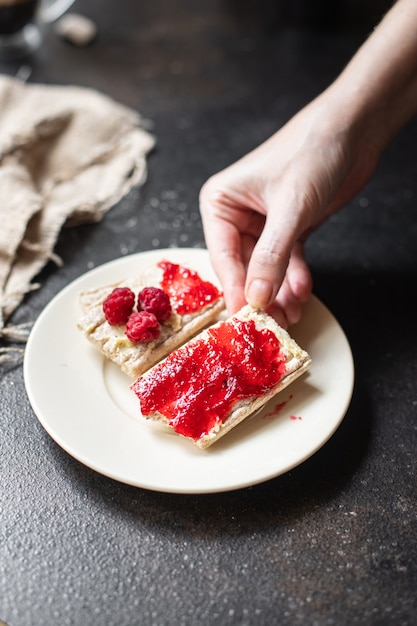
[333, 541]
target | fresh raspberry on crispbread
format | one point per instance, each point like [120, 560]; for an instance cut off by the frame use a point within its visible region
[140, 320]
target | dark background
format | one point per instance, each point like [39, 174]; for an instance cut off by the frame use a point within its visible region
[333, 541]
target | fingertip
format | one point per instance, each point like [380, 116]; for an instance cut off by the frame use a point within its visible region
[275, 311]
[234, 305]
[234, 296]
[299, 275]
[302, 288]
[300, 280]
[266, 269]
[259, 293]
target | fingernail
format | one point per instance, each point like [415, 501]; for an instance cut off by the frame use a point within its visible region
[259, 293]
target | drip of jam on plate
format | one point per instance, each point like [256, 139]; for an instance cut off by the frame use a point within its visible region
[187, 291]
[197, 386]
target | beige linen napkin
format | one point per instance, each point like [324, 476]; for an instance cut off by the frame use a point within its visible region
[67, 155]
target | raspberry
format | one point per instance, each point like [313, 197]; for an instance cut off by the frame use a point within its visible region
[142, 327]
[119, 305]
[156, 301]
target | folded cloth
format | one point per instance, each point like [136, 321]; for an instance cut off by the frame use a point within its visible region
[67, 155]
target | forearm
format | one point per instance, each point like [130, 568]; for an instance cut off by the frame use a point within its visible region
[379, 86]
[258, 210]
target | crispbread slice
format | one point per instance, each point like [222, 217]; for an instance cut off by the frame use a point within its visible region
[296, 361]
[135, 359]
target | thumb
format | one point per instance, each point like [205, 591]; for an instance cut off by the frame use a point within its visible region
[268, 265]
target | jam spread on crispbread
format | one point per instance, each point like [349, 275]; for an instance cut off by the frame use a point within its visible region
[196, 387]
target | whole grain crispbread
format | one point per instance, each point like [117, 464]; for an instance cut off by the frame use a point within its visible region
[135, 358]
[297, 361]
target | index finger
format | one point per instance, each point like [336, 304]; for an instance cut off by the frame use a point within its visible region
[270, 258]
[224, 245]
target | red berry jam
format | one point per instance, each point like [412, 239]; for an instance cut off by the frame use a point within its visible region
[187, 291]
[196, 386]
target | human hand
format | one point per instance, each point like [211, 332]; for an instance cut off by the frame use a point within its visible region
[257, 213]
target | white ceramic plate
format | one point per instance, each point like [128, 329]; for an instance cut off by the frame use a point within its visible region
[85, 403]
